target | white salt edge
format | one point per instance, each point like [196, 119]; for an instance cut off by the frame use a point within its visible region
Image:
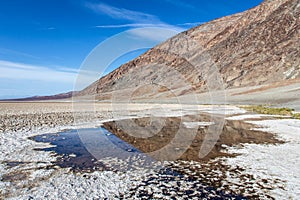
[197, 124]
[271, 162]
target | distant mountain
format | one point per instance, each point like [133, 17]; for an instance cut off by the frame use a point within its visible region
[43, 98]
[258, 46]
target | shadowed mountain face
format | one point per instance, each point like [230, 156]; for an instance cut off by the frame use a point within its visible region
[259, 46]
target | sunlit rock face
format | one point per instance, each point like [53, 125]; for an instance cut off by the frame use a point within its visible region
[255, 47]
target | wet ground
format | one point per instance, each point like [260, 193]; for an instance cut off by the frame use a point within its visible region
[131, 140]
[167, 180]
[70, 151]
[185, 137]
[136, 143]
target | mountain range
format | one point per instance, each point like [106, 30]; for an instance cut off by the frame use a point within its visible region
[257, 49]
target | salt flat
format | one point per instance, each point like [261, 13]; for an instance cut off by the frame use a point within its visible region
[269, 170]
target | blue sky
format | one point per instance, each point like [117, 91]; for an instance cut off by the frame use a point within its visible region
[43, 43]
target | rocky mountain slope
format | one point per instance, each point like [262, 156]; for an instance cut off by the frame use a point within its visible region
[258, 46]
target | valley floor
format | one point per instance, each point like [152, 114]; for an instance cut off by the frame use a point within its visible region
[256, 170]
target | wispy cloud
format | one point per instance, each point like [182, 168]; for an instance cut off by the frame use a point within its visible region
[23, 80]
[21, 71]
[136, 19]
[191, 24]
[179, 27]
[133, 25]
[155, 35]
[122, 13]
[141, 25]
[5, 51]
